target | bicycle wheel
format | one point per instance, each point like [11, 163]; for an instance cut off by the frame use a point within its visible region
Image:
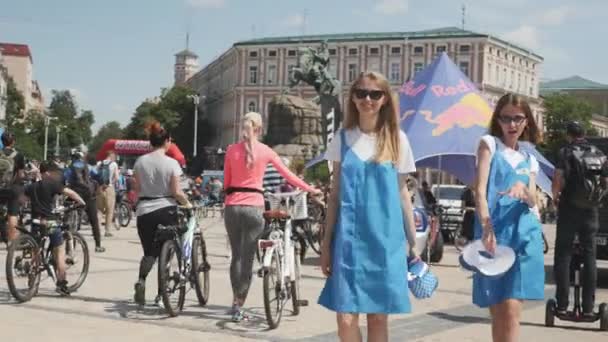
[73, 220]
[172, 288]
[295, 285]
[76, 261]
[313, 232]
[84, 218]
[200, 270]
[124, 214]
[23, 267]
[274, 297]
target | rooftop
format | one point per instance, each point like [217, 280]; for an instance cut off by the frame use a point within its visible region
[187, 53]
[572, 83]
[444, 32]
[19, 50]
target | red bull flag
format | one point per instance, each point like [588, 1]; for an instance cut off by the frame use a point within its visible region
[444, 117]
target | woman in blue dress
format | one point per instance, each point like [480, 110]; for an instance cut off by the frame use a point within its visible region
[506, 193]
[364, 247]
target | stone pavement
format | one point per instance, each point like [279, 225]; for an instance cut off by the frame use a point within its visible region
[103, 309]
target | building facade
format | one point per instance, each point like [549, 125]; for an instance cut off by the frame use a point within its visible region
[186, 65]
[248, 75]
[18, 61]
[3, 89]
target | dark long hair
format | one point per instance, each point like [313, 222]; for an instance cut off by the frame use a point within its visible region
[531, 133]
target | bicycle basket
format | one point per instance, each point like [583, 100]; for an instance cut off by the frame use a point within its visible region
[299, 209]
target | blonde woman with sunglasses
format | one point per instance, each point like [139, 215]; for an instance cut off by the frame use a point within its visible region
[364, 247]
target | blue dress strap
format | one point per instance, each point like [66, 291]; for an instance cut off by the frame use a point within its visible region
[343, 146]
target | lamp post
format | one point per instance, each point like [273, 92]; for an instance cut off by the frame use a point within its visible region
[58, 129]
[196, 100]
[47, 122]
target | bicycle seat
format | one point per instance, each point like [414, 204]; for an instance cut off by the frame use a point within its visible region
[276, 215]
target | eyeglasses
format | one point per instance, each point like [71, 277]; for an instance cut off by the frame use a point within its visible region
[516, 119]
[373, 94]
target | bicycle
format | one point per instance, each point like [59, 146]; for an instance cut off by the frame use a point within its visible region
[185, 245]
[31, 254]
[280, 267]
[122, 210]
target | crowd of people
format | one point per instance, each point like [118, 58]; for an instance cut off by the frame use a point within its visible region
[369, 235]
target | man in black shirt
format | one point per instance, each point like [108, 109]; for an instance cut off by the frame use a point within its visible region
[42, 197]
[12, 189]
[574, 218]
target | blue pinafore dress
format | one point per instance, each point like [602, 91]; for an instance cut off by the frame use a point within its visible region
[368, 248]
[516, 226]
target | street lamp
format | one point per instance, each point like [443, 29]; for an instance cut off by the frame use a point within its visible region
[196, 100]
[47, 122]
[58, 129]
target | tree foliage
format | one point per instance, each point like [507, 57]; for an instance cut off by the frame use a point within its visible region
[110, 130]
[559, 110]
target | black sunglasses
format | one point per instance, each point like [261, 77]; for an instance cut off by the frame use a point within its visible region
[373, 94]
[507, 120]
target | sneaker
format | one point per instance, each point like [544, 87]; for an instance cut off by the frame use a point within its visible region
[99, 249]
[158, 302]
[140, 293]
[108, 234]
[62, 288]
[239, 316]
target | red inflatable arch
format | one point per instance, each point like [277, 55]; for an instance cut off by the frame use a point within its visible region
[137, 147]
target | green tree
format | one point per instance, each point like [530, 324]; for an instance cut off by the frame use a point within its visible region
[559, 110]
[15, 104]
[174, 109]
[110, 130]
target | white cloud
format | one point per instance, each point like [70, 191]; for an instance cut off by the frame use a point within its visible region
[555, 16]
[206, 3]
[390, 7]
[294, 21]
[525, 35]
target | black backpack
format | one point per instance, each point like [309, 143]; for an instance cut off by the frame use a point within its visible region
[79, 174]
[585, 163]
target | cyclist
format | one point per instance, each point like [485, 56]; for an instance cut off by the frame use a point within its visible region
[42, 197]
[157, 183]
[78, 178]
[244, 167]
[12, 175]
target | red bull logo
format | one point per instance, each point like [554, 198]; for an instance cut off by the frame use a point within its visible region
[471, 110]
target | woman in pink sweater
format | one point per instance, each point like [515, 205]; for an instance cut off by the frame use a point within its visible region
[244, 167]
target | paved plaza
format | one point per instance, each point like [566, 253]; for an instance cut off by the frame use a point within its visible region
[103, 309]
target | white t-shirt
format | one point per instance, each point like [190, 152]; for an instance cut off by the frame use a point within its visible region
[154, 172]
[512, 156]
[364, 146]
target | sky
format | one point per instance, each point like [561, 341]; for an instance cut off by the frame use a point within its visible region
[113, 54]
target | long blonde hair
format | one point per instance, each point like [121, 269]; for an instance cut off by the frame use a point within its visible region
[388, 144]
[252, 126]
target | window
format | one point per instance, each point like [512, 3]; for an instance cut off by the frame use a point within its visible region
[497, 75]
[465, 48]
[441, 48]
[395, 75]
[251, 107]
[498, 53]
[513, 59]
[332, 52]
[374, 51]
[352, 72]
[417, 68]
[253, 53]
[491, 50]
[271, 74]
[272, 53]
[353, 51]
[418, 50]
[531, 93]
[395, 50]
[253, 74]
[464, 67]
[292, 53]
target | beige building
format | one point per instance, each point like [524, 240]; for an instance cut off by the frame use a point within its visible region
[3, 89]
[18, 61]
[247, 76]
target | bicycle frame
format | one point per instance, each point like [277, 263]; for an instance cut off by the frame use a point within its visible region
[285, 250]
